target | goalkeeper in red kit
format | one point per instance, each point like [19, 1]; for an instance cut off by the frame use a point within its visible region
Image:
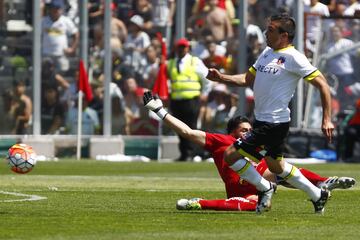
[241, 195]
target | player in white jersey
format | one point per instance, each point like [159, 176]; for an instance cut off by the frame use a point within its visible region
[274, 77]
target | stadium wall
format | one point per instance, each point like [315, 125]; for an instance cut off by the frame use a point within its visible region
[300, 144]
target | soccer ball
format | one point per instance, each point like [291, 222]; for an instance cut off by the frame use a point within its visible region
[21, 158]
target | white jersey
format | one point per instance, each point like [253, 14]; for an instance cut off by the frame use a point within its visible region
[276, 76]
[55, 35]
[314, 23]
[340, 64]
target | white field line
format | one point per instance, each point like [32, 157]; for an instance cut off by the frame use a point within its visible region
[119, 177]
[28, 197]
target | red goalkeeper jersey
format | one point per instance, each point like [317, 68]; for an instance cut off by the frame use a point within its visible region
[216, 144]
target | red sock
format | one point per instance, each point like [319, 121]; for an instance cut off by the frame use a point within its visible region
[231, 204]
[311, 176]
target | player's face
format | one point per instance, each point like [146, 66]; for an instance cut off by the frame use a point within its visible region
[55, 13]
[242, 129]
[182, 51]
[273, 35]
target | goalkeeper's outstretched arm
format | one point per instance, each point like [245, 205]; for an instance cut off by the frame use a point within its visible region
[155, 104]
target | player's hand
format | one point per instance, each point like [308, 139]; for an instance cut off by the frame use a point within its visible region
[151, 102]
[69, 51]
[214, 75]
[328, 128]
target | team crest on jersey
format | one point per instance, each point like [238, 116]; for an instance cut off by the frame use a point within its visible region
[281, 60]
[247, 135]
[238, 142]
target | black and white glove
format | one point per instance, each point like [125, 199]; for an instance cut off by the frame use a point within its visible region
[154, 104]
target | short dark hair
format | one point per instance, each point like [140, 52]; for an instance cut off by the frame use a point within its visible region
[234, 122]
[19, 82]
[287, 24]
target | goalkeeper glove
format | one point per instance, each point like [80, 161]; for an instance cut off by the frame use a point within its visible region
[154, 104]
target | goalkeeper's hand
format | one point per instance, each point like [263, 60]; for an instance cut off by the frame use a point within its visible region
[154, 104]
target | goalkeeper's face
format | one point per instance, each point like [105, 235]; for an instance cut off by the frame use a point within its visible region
[241, 130]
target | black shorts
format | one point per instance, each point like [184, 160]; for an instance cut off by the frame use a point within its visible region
[264, 136]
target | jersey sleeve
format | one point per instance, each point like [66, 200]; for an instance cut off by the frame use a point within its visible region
[302, 67]
[70, 26]
[214, 141]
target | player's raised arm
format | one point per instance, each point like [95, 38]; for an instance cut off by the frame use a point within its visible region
[242, 80]
[155, 104]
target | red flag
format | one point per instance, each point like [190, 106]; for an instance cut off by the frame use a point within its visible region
[83, 83]
[160, 86]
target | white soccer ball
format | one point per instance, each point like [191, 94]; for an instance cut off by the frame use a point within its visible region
[21, 158]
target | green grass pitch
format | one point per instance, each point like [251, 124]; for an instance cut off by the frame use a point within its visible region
[102, 200]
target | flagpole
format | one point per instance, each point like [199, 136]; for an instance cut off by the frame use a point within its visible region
[79, 132]
[160, 87]
[159, 150]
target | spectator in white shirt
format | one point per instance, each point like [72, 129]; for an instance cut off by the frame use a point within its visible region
[341, 65]
[56, 28]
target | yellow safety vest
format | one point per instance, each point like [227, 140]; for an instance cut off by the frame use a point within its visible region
[186, 84]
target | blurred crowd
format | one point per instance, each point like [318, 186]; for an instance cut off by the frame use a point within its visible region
[212, 36]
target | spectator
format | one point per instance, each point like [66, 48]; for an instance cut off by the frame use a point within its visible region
[315, 10]
[49, 75]
[118, 110]
[143, 124]
[125, 9]
[203, 5]
[70, 95]
[254, 49]
[217, 20]
[21, 108]
[143, 8]
[352, 132]
[200, 45]
[72, 11]
[118, 32]
[90, 120]
[254, 30]
[353, 9]
[339, 9]
[156, 43]
[353, 90]
[189, 89]
[162, 16]
[132, 93]
[331, 4]
[221, 106]
[97, 103]
[152, 68]
[7, 121]
[52, 111]
[232, 56]
[214, 60]
[96, 11]
[55, 31]
[341, 65]
[136, 44]
[284, 5]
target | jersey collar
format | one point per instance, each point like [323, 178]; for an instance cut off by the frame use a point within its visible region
[285, 48]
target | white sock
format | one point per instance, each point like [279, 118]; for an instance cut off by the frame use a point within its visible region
[249, 173]
[293, 176]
